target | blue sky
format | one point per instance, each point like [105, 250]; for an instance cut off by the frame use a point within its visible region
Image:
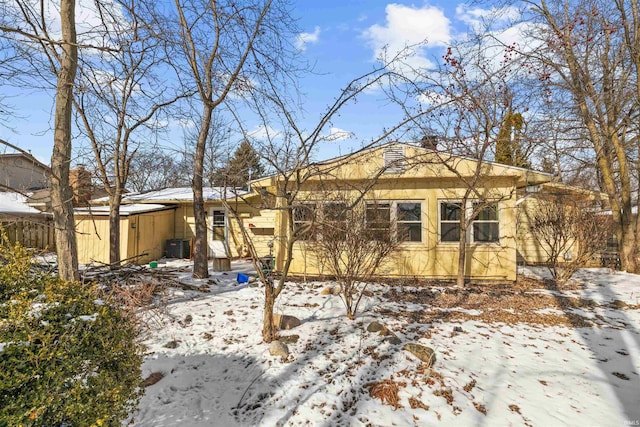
[341, 39]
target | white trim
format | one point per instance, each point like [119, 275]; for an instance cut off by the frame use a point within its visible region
[470, 238]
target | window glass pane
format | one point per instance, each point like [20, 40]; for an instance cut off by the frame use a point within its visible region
[378, 216]
[450, 211]
[302, 213]
[485, 232]
[409, 212]
[409, 232]
[488, 213]
[336, 211]
[378, 212]
[218, 218]
[450, 232]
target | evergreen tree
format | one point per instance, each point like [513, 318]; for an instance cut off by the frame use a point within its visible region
[244, 166]
[508, 150]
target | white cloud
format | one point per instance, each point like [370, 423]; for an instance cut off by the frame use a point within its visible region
[337, 134]
[409, 26]
[90, 20]
[475, 17]
[306, 38]
[264, 133]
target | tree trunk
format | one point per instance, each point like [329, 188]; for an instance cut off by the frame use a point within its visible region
[462, 246]
[268, 328]
[200, 245]
[61, 193]
[114, 227]
[627, 246]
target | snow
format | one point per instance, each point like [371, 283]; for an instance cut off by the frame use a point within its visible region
[16, 204]
[179, 194]
[221, 374]
[125, 210]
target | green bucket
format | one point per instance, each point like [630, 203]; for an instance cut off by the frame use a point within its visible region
[153, 264]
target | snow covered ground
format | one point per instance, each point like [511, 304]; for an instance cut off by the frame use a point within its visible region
[525, 355]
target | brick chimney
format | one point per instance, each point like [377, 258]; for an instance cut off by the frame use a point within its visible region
[80, 181]
[429, 142]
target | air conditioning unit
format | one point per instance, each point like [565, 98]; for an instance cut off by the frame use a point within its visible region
[177, 248]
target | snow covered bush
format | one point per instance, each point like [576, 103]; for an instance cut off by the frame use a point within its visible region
[68, 355]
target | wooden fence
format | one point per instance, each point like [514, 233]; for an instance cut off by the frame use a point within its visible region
[33, 233]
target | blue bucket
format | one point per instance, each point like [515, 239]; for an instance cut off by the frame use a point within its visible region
[242, 278]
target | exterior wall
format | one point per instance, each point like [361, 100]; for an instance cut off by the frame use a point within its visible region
[20, 173]
[261, 233]
[431, 258]
[530, 251]
[92, 236]
[421, 163]
[146, 232]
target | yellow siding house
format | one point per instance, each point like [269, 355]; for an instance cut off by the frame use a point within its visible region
[421, 193]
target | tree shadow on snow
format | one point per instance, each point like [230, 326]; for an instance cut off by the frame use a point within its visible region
[198, 390]
[610, 346]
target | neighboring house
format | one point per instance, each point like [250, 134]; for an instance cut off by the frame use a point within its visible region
[418, 191]
[20, 175]
[225, 237]
[22, 172]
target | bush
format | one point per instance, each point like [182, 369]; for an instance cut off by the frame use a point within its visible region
[68, 355]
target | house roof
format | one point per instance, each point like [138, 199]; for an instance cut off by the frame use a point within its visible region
[27, 157]
[424, 161]
[125, 210]
[177, 195]
[16, 204]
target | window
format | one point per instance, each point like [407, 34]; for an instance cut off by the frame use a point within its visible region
[218, 231]
[485, 224]
[409, 222]
[218, 218]
[378, 219]
[334, 219]
[407, 217]
[334, 211]
[450, 221]
[484, 227]
[303, 217]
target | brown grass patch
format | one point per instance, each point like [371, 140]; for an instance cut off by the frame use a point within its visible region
[494, 304]
[514, 408]
[468, 387]
[386, 391]
[481, 408]
[153, 378]
[416, 403]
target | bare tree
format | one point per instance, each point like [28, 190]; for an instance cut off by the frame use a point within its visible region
[287, 153]
[224, 45]
[156, 169]
[570, 233]
[27, 25]
[351, 241]
[586, 55]
[468, 95]
[120, 98]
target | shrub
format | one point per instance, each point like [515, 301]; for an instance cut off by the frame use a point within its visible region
[68, 355]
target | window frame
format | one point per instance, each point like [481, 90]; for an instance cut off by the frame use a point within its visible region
[477, 221]
[469, 208]
[393, 218]
[297, 224]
